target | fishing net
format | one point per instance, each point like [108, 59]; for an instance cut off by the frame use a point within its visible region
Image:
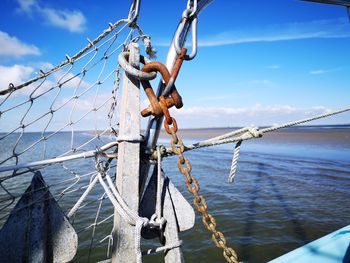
[65, 113]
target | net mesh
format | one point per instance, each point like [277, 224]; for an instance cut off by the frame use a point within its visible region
[63, 111]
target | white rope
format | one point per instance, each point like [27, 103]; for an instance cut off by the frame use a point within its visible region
[82, 198]
[126, 213]
[138, 228]
[163, 248]
[83, 155]
[230, 134]
[159, 182]
[115, 203]
[250, 133]
[234, 162]
[71, 157]
[289, 124]
[120, 199]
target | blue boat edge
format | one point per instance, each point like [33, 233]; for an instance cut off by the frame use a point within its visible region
[334, 247]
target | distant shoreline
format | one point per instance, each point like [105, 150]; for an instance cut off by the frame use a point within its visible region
[338, 135]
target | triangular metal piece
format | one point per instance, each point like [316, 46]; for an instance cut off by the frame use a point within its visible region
[184, 212]
[171, 231]
[37, 230]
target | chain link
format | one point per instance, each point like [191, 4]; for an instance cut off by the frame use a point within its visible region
[199, 201]
[184, 164]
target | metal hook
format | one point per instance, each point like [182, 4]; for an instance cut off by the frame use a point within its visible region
[192, 8]
[134, 11]
[180, 28]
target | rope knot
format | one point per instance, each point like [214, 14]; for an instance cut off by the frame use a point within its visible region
[100, 166]
[156, 222]
[255, 132]
[144, 221]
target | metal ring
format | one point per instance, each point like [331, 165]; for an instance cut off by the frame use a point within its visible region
[141, 75]
[164, 107]
[172, 129]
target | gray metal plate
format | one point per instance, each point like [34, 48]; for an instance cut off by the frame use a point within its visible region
[37, 230]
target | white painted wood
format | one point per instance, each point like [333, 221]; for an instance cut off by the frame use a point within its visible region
[128, 164]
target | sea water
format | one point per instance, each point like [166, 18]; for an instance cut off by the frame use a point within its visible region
[285, 194]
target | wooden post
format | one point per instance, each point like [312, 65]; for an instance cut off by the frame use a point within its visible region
[128, 164]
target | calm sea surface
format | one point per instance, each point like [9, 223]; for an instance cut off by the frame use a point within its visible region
[287, 192]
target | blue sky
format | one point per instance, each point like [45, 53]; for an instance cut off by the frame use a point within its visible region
[259, 62]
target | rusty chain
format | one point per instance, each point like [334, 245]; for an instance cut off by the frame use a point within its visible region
[159, 108]
[192, 185]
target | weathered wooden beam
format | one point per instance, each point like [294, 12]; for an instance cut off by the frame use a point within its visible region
[128, 164]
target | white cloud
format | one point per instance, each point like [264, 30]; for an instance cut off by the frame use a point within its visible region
[331, 28]
[259, 115]
[322, 71]
[14, 74]
[316, 110]
[317, 72]
[274, 67]
[74, 21]
[27, 5]
[222, 111]
[256, 82]
[214, 98]
[13, 47]
[18, 74]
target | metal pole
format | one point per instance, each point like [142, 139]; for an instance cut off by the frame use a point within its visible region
[128, 164]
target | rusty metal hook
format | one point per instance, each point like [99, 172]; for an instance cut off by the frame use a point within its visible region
[174, 99]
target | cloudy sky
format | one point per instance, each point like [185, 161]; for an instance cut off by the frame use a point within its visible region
[259, 62]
